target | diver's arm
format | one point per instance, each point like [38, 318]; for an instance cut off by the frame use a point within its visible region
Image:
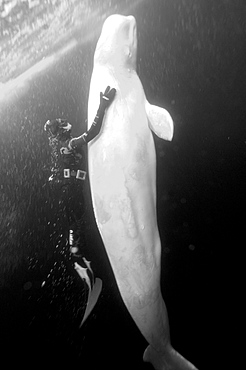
[90, 134]
[105, 101]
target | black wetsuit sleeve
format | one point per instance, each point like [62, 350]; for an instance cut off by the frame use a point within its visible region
[95, 127]
[91, 133]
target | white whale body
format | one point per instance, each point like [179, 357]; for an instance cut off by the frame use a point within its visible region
[122, 171]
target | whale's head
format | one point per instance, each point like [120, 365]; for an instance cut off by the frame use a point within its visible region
[117, 45]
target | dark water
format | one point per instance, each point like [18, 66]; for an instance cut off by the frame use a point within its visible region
[190, 60]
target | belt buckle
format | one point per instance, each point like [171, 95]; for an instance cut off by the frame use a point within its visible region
[66, 173]
[81, 175]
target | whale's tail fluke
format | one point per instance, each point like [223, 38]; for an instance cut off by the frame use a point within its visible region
[168, 360]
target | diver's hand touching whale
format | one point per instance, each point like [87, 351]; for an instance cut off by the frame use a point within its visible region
[106, 99]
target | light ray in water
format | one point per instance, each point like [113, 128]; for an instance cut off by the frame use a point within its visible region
[30, 41]
[19, 84]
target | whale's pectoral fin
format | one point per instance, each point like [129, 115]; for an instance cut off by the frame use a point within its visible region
[160, 121]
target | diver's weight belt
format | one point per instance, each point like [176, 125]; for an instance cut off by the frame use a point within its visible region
[79, 174]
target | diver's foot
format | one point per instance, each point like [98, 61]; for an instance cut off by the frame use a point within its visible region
[168, 360]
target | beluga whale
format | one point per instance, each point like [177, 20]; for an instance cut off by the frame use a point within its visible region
[122, 173]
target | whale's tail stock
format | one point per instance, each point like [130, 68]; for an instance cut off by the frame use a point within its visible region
[168, 360]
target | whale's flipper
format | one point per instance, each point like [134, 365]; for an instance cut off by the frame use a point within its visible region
[160, 121]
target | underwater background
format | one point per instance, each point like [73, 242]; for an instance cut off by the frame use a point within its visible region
[190, 61]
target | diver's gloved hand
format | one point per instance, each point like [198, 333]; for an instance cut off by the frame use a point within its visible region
[106, 98]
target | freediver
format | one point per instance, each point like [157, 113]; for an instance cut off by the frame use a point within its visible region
[69, 288]
[67, 160]
[59, 132]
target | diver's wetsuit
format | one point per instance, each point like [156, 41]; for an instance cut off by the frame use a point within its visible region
[67, 160]
[66, 150]
[65, 293]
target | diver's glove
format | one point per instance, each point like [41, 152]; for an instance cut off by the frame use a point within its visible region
[106, 99]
